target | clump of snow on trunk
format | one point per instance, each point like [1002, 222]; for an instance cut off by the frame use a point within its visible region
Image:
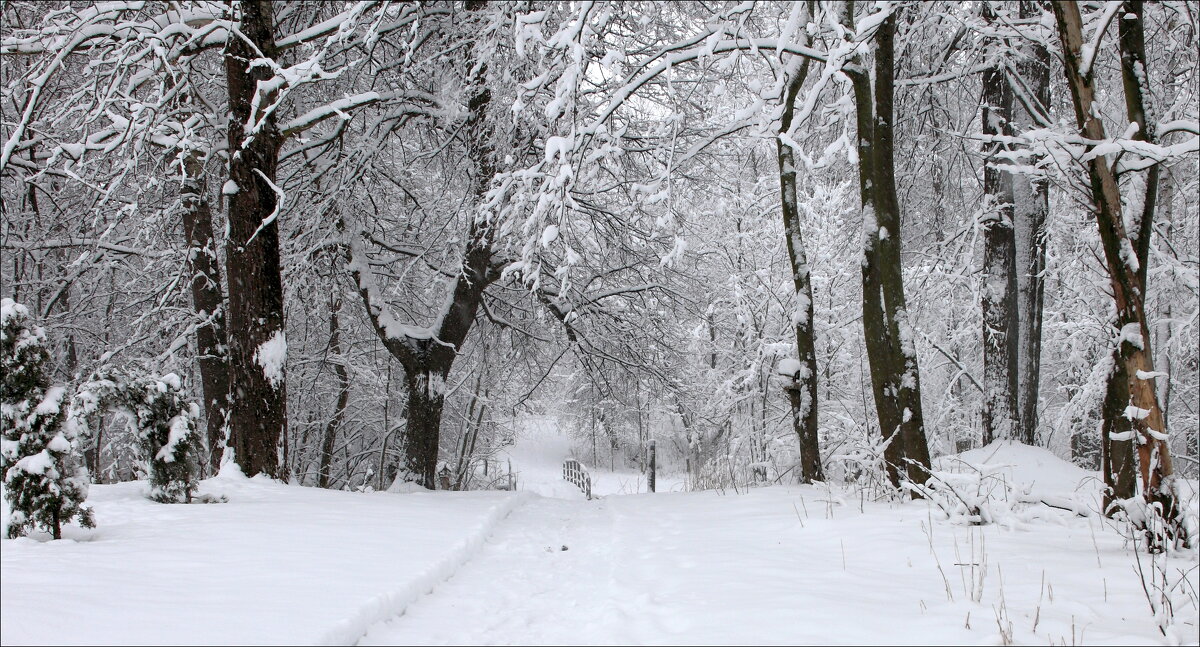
[272, 357]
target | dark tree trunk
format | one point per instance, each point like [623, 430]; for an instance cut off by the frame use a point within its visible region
[803, 392]
[878, 345]
[998, 294]
[258, 403]
[908, 377]
[895, 377]
[1117, 455]
[1031, 198]
[426, 398]
[343, 397]
[208, 300]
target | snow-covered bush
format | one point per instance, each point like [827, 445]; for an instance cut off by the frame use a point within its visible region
[165, 425]
[44, 479]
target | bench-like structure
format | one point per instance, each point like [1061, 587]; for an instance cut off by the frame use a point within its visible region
[575, 473]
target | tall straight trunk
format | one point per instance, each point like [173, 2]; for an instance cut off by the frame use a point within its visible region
[329, 440]
[895, 377]
[875, 331]
[998, 294]
[208, 300]
[1126, 280]
[803, 392]
[1031, 197]
[257, 343]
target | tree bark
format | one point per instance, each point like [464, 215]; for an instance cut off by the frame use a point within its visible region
[1031, 197]
[998, 293]
[208, 300]
[895, 377]
[1126, 280]
[258, 406]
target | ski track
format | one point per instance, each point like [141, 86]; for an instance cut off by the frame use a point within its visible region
[393, 603]
[523, 587]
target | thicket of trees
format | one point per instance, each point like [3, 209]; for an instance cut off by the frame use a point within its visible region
[376, 233]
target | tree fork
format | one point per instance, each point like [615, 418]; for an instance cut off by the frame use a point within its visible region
[1154, 456]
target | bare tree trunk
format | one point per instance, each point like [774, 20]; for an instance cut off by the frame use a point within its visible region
[1126, 279]
[339, 410]
[1031, 197]
[895, 377]
[208, 300]
[803, 393]
[998, 294]
[257, 343]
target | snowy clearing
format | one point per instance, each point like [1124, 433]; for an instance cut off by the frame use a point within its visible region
[786, 564]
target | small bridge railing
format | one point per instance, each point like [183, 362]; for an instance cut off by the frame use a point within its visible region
[575, 473]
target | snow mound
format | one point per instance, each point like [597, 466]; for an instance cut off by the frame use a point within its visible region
[1029, 468]
[400, 486]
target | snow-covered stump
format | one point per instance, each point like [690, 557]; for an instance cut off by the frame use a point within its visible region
[44, 479]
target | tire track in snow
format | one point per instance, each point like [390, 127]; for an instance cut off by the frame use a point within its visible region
[393, 603]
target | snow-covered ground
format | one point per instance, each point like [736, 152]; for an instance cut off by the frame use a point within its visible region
[786, 564]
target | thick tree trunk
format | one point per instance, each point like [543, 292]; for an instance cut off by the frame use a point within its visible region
[257, 343]
[1126, 280]
[887, 210]
[208, 300]
[426, 398]
[998, 294]
[875, 331]
[803, 393]
[329, 440]
[895, 377]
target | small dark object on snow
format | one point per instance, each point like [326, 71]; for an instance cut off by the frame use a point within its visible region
[564, 547]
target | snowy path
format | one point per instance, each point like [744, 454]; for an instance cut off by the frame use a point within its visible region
[703, 568]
